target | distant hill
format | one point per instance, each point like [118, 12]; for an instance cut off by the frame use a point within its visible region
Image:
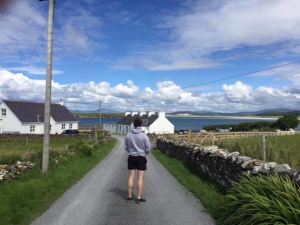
[269, 112]
[104, 110]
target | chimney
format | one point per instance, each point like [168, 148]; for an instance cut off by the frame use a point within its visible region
[61, 102]
[127, 113]
[150, 113]
[143, 113]
[161, 114]
[134, 113]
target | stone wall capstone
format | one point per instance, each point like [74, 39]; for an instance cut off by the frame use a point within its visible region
[222, 167]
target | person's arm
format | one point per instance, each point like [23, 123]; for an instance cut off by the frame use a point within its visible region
[126, 145]
[147, 145]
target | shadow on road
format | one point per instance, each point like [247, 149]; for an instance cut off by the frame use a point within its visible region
[119, 192]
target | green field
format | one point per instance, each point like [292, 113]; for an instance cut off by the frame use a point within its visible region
[13, 148]
[280, 149]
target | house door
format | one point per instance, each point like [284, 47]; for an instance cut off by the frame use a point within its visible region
[1, 126]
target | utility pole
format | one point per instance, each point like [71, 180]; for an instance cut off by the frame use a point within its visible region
[48, 88]
[100, 115]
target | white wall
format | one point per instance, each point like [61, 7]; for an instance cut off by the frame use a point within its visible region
[57, 126]
[10, 123]
[123, 129]
[110, 127]
[161, 126]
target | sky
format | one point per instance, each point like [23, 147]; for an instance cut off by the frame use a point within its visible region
[171, 55]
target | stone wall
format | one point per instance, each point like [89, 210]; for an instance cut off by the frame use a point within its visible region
[9, 172]
[222, 167]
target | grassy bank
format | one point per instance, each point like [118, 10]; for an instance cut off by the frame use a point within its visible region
[281, 149]
[207, 192]
[28, 197]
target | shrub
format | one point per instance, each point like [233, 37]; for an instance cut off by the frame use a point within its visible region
[85, 149]
[286, 122]
[262, 200]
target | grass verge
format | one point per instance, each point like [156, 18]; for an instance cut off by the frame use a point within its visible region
[28, 197]
[208, 193]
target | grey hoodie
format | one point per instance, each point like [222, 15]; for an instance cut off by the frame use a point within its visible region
[137, 143]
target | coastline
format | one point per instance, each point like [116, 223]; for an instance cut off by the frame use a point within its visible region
[227, 117]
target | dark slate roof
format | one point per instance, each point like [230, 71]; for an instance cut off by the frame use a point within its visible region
[147, 121]
[28, 112]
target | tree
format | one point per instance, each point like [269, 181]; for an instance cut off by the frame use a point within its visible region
[286, 122]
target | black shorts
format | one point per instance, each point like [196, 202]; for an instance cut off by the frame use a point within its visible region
[137, 163]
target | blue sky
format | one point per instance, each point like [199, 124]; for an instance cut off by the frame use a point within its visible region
[140, 55]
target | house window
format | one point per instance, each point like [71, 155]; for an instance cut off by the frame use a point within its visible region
[3, 112]
[63, 126]
[32, 128]
[70, 126]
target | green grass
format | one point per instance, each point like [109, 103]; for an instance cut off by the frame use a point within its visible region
[17, 147]
[206, 191]
[281, 149]
[262, 200]
[28, 197]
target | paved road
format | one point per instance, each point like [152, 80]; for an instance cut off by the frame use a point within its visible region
[98, 198]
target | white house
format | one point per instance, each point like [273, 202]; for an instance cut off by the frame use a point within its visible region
[28, 118]
[152, 123]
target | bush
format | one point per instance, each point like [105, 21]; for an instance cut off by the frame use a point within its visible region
[286, 122]
[262, 200]
[85, 149]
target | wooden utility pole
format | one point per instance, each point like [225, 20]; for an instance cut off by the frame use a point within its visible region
[48, 88]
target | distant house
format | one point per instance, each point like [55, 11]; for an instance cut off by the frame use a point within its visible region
[28, 118]
[152, 123]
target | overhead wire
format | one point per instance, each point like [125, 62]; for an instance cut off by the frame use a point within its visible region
[36, 46]
[241, 75]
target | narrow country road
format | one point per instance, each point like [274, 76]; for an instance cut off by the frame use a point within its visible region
[99, 198]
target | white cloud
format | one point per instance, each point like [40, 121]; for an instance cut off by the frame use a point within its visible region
[166, 96]
[217, 26]
[77, 31]
[237, 92]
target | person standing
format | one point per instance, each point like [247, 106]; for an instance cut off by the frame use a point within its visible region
[137, 145]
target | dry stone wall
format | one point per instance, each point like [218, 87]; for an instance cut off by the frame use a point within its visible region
[222, 167]
[9, 172]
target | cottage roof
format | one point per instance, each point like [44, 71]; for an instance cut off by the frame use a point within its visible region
[147, 120]
[33, 112]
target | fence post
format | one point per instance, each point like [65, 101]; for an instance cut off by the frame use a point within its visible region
[264, 148]
[189, 137]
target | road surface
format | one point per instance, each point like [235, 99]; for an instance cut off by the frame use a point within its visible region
[99, 198]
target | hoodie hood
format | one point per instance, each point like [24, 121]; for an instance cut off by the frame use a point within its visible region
[137, 130]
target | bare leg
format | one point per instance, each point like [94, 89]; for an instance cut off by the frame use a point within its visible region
[140, 184]
[131, 182]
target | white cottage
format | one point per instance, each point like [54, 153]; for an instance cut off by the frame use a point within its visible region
[152, 123]
[28, 118]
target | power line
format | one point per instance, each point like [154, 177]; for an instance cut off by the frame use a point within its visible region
[36, 45]
[241, 75]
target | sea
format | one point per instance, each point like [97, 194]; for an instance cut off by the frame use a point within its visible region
[189, 123]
